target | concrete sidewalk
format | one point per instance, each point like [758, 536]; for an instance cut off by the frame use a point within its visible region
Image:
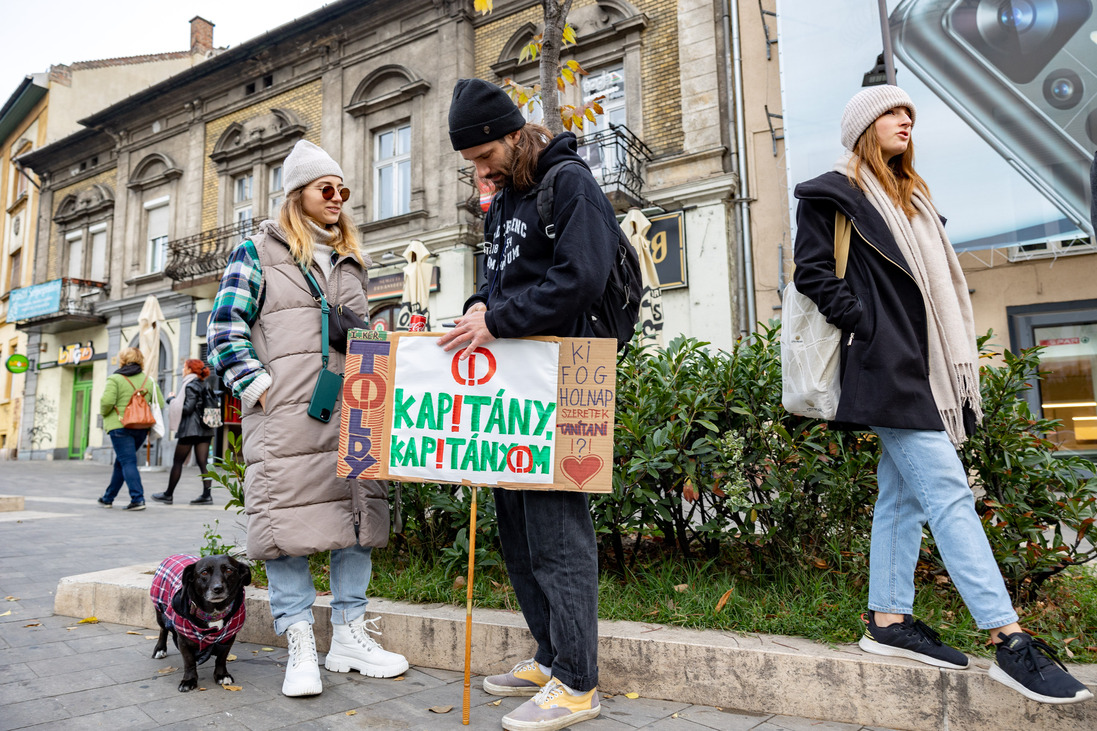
[59, 673]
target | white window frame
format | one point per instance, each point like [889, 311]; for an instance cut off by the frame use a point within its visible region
[399, 185]
[71, 239]
[156, 251]
[243, 209]
[97, 270]
[275, 194]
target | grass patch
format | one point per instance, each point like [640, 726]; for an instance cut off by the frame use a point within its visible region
[822, 605]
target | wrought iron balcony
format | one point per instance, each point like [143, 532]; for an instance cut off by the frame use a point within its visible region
[58, 306]
[204, 256]
[616, 157]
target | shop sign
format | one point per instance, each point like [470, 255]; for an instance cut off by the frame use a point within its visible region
[17, 363]
[75, 353]
[40, 299]
[392, 285]
[667, 238]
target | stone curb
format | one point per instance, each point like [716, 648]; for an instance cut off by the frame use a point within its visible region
[755, 673]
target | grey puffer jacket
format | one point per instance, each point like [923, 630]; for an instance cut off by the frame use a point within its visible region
[295, 503]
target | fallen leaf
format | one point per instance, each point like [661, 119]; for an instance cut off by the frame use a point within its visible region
[168, 669]
[89, 620]
[674, 715]
[440, 709]
[5, 613]
[681, 587]
[495, 703]
[460, 583]
[201, 689]
[267, 649]
[33, 624]
[398, 678]
[352, 713]
[131, 632]
[819, 563]
[723, 600]
[152, 637]
[230, 657]
[12, 598]
[69, 629]
[632, 696]
[233, 687]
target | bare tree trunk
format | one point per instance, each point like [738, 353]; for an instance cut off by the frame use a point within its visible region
[556, 14]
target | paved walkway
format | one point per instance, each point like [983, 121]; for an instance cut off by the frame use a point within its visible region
[56, 673]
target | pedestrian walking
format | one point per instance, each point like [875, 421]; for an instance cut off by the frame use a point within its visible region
[185, 414]
[538, 283]
[265, 343]
[909, 373]
[126, 440]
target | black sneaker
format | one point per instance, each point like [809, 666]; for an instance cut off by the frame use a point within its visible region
[1031, 668]
[202, 500]
[162, 497]
[135, 506]
[103, 503]
[912, 639]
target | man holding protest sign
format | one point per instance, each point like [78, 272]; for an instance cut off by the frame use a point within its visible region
[539, 283]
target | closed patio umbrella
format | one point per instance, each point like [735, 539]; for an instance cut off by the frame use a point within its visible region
[416, 296]
[636, 225]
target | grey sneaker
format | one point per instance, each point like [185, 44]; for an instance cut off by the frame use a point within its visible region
[525, 679]
[553, 708]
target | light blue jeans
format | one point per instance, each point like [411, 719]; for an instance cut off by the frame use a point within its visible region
[922, 481]
[292, 592]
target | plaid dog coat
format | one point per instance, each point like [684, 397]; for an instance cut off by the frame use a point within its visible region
[188, 620]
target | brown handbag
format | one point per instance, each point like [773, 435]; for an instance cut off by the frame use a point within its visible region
[138, 413]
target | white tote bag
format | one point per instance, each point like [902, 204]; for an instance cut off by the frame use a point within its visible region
[810, 346]
[158, 429]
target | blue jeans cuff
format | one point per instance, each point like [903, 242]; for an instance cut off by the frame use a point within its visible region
[283, 623]
[349, 615]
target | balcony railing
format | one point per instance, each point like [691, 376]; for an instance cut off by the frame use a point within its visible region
[75, 307]
[616, 157]
[207, 253]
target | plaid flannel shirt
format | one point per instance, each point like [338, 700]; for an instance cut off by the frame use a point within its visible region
[166, 583]
[235, 310]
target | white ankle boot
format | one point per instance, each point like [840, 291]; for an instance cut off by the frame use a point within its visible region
[352, 648]
[302, 670]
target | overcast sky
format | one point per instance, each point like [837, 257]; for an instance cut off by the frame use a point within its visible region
[34, 35]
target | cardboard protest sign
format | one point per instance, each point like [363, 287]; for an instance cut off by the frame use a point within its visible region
[528, 413]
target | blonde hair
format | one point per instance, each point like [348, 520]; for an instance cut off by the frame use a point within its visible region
[896, 175]
[295, 224]
[130, 355]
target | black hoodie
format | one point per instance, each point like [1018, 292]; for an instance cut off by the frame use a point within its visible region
[538, 286]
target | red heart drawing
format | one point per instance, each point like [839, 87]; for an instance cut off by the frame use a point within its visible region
[580, 471]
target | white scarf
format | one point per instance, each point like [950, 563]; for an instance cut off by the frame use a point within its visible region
[953, 356]
[175, 408]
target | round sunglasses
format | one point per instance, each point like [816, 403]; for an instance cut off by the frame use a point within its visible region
[328, 192]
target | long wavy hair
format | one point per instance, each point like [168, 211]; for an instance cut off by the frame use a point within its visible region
[294, 222]
[897, 175]
[532, 140]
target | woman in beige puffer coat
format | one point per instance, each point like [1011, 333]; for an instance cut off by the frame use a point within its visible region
[265, 342]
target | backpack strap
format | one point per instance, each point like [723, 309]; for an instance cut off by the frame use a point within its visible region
[546, 194]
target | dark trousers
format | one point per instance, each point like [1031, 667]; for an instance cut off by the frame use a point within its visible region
[549, 548]
[126, 442]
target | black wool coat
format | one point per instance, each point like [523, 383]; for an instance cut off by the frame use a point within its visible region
[191, 424]
[878, 307]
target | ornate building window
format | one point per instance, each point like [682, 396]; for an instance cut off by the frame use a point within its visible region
[84, 221]
[392, 172]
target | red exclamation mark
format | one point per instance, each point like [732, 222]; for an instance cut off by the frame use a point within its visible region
[456, 413]
[438, 453]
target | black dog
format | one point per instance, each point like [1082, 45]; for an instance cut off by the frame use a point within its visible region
[201, 602]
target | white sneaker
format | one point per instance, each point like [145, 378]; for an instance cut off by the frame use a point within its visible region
[352, 648]
[302, 669]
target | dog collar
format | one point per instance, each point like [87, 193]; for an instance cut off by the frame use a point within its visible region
[215, 620]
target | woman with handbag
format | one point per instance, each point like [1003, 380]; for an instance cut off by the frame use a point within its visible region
[127, 418]
[909, 372]
[265, 338]
[187, 417]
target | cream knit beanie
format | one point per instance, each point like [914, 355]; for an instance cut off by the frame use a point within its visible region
[866, 106]
[305, 163]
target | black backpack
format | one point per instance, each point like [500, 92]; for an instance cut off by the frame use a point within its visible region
[615, 313]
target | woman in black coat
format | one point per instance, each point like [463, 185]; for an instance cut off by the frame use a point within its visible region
[185, 414]
[909, 373]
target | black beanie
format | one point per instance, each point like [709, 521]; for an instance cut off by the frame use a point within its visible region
[481, 112]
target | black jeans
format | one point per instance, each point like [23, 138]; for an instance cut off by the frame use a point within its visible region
[549, 548]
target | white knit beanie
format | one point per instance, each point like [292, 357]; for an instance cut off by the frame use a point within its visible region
[305, 163]
[866, 106]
